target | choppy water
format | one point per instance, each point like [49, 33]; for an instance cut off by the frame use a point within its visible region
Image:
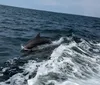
[73, 58]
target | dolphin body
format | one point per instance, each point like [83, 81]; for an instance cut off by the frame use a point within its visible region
[38, 40]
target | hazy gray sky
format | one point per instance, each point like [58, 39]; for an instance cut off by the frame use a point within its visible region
[80, 7]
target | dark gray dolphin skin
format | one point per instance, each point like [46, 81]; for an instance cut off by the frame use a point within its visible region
[38, 40]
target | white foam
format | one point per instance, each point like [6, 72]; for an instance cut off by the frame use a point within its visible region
[22, 47]
[30, 66]
[65, 67]
[58, 64]
[17, 79]
[98, 44]
[52, 65]
[58, 41]
[68, 83]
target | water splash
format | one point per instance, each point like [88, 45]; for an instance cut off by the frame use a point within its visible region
[70, 63]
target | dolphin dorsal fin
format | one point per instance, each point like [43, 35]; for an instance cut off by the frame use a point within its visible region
[38, 35]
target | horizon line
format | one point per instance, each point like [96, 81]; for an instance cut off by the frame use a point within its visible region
[48, 11]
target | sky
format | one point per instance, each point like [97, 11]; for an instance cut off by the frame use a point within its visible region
[79, 7]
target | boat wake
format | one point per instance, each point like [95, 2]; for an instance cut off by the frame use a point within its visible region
[69, 63]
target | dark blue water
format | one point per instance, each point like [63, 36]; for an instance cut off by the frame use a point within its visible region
[18, 25]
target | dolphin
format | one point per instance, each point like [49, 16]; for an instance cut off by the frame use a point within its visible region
[38, 40]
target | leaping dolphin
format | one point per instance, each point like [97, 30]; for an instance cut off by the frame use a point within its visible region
[38, 40]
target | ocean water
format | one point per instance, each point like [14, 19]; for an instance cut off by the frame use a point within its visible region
[73, 57]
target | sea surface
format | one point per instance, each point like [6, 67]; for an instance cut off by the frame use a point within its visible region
[73, 57]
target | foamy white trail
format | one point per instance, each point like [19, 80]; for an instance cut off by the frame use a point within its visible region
[69, 64]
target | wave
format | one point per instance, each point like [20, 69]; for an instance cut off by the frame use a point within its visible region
[70, 63]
